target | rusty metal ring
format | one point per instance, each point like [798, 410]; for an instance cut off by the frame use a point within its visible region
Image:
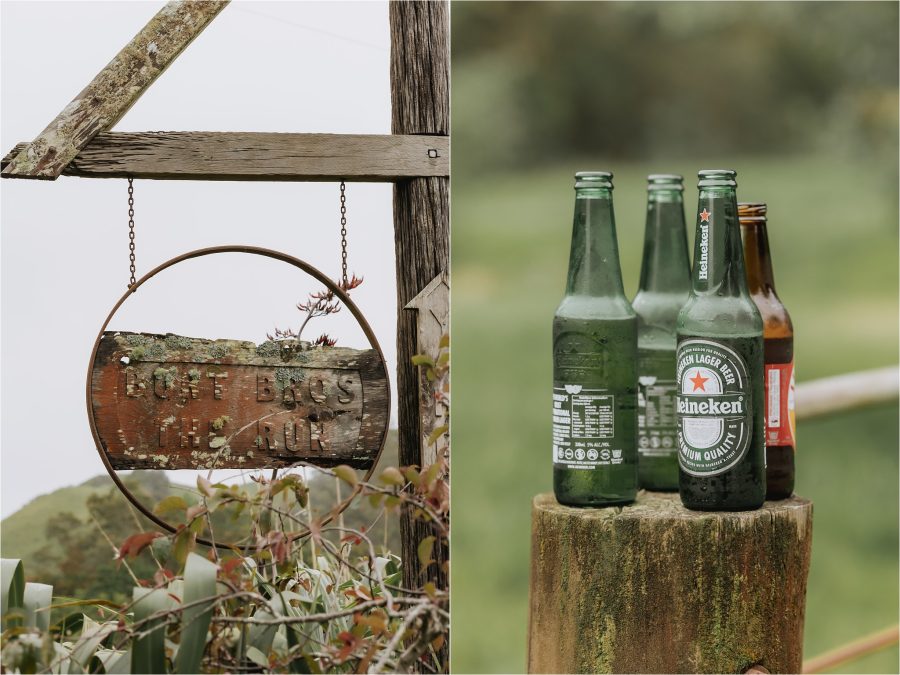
[266, 253]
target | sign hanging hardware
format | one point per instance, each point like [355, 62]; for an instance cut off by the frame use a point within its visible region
[345, 282]
[131, 257]
[175, 402]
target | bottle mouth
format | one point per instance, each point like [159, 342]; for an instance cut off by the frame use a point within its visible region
[716, 178]
[670, 182]
[594, 179]
[752, 212]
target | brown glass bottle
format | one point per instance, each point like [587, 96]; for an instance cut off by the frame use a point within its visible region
[778, 338]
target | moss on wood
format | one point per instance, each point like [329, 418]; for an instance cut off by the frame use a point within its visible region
[653, 587]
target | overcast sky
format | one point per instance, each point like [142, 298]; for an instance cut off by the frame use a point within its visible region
[260, 66]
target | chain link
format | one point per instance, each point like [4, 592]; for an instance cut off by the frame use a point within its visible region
[131, 230]
[344, 236]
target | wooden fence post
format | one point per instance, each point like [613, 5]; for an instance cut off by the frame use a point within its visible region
[655, 588]
[420, 104]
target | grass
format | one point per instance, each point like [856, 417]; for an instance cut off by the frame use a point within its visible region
[833, 230]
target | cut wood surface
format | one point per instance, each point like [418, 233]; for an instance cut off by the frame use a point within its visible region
[196, 155]
[655, 588]
[173, 402]
[115, 89]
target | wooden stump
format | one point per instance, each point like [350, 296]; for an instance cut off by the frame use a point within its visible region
[656, 588]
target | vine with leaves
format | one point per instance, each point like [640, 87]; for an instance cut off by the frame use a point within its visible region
[305, 593]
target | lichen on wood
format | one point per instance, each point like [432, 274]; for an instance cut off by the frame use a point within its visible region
[115, 88]
[655, 588]
[174, 402]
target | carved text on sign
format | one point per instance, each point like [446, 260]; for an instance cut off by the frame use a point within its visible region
[170, 402]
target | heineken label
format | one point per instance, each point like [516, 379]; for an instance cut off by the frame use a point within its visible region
[713, 407]
[584, 425]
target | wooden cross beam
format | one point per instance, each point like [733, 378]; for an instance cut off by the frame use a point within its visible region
[193, 155]
[115, 89]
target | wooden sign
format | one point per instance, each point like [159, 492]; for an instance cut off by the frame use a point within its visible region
[173, 402]
[432, 305]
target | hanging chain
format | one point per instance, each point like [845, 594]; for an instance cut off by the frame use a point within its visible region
[131, 230]
[346, 283]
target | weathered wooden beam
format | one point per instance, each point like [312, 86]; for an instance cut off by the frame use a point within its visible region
[843, 393]
[432, 308]
[115, 88]
[420, 104]
[196, 155]
[655, 588]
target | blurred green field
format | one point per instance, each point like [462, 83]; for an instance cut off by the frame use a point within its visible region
[833, 229]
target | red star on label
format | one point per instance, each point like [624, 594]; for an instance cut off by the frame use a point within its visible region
[704, 216]
[699, 381]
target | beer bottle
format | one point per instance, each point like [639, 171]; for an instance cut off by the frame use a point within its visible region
[778, 340]
[594, 361]
[664, 288]
[719, 365]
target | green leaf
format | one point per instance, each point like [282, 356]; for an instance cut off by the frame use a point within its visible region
[261, 636]
[426, 547]
[12, 575]
[445, 341]
[37, 597]
[148, 654]
[169, 504]
[257, 657]
[346, 474]
[392, 476]
[92, 634]
[422, 360]
[301, 663]
[184, 543]
[115, 661]
[162, 549]
[199, 583]
[437, 433]
[93, 601]
[431, 474]
[68, 626]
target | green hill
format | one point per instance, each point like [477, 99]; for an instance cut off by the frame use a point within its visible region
[21, 534]
[43, 532]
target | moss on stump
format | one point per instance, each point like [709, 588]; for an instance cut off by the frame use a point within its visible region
[655, 588]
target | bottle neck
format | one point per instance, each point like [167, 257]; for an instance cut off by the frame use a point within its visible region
[666, 267]
[760, 278]
[718, 254]
[594, 258]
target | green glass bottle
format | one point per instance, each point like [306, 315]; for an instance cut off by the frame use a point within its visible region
[719, 365]
[664, 288]
[594, 361]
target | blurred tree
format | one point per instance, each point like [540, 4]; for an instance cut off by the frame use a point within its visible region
[537, 82]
